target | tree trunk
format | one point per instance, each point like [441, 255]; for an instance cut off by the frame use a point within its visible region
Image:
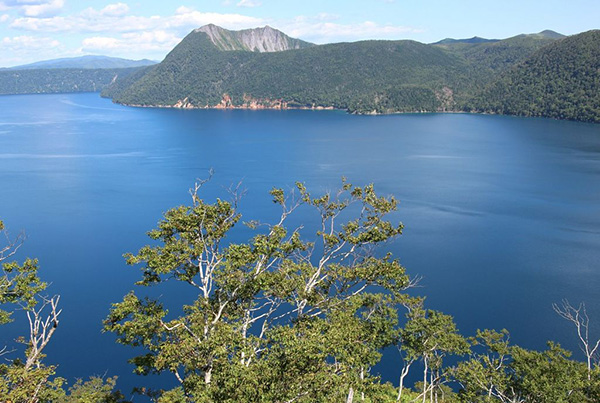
[350, 398]
[425, 380]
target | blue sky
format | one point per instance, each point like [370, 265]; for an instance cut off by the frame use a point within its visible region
[32, 30]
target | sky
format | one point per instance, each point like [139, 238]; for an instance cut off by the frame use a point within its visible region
[34, 30]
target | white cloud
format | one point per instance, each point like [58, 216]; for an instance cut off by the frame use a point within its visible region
[24, 49]
[323, 29]
[249, 3]
[4, 18]
[115, 10]
[29, 42]
[115, 18]
[138, 43]
[34, 8]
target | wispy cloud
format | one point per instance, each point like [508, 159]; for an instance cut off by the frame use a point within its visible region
[17, 49]
[34, 8]
[249, 3]
[324, 28]
[139, 43]
[116, 18]
[29, 42]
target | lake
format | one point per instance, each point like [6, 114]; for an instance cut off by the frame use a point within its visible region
[501, 214]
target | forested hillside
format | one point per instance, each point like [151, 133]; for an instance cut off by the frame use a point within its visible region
[542, 74]
[365, 76]
[559, 81]
[43, 81]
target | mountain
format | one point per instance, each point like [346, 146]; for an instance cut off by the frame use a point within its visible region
[543, 74]
[473, 40]
[367, 76]
[561, 80]
[214, 67]
[550, 34]
[498, 55]
[264, 39]
[86, 62]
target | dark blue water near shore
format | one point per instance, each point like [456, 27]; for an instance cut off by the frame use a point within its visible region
[502, 214]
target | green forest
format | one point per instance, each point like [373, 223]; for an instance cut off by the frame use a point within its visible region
[561, 82]
[49, 81]
[286, 316]
[543, 74]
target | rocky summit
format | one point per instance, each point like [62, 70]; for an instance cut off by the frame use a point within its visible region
[265, 39]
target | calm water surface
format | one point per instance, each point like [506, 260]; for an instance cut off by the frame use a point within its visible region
[502, 214]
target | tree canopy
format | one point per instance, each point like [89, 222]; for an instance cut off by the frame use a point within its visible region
[298, 313]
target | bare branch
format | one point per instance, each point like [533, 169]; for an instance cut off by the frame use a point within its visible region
[41, 329]
[580, 319]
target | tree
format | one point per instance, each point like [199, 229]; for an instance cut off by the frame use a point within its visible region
[27, 379]
[486, 376]
[276, 318]
[499, 372]
[429, 336]
[579, 317]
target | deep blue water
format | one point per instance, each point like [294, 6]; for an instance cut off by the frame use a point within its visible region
[501, 214]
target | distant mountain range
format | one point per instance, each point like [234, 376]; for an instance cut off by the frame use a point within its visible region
[473, 40]
[548, 34]
[543, 74]
[75, 74]
[86, 62]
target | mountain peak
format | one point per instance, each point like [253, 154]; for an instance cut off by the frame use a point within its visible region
[474, 40]
[551, 34]
[264, 39]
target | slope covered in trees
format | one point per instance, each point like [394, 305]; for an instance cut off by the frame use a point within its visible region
[540, 74]
[560, 81]
[212, 68]
[500, 55]
[363, 76]
[45, 81]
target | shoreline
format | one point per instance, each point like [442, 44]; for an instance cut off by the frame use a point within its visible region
[331, 108]
[278, 107]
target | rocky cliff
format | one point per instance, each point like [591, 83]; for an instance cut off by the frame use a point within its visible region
[265, 39]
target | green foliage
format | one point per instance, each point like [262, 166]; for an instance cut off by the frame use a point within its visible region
[530, 75]
[19, 286]
[365, 76]
[26, 379]
[46, 81]
[500, 372]
[95, 390]
[559, 81]
[275, 318]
